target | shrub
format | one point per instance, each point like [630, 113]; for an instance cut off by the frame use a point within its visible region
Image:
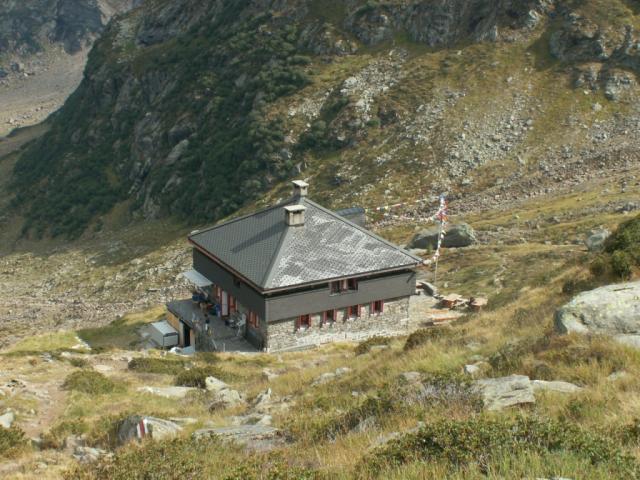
[157, 365]
[90, 382]
[427, 335]
[79, 362]
[509, 358]
[196, 377]
[12, 441]
[622, 264]
[365, 347]
[55, 437]
[273, 467]
[482, 439]
[375, 407]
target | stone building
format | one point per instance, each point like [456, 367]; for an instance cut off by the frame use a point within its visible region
[296, 275]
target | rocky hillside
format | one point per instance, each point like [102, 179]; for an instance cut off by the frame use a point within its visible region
[43, 46]
[196, 109]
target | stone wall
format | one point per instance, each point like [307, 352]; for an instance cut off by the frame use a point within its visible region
[283, 335]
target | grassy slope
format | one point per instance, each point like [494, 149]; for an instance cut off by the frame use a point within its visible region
[531, 277]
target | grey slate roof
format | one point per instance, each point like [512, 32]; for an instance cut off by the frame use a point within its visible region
[270, 254]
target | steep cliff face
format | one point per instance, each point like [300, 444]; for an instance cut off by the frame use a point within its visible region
[29, 26]
[197, 108]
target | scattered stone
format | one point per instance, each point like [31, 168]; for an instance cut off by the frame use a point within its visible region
[472, 370]
[555, 386]
[212, 384]
[503, 392]
[617, 376]
[329, 376]
[269, 374]
[7, 419]
[595, 240]
[342, 371]
[89, 454]
[168, 392]
[411, 377]
[226, 398]
[137, 427]
[253, 437]
[613, 310]
[364, 425]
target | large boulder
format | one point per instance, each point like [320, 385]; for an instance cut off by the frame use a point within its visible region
[168, 392]
[499, 393]
[459, 235]
[252, 437]
[596, 238]
[613, 310]
[225, 398]
[137, 427]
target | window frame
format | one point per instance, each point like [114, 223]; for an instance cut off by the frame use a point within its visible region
[377, 311]
[299, 322]
[350, 310]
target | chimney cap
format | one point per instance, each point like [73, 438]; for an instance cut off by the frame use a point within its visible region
[295, 208]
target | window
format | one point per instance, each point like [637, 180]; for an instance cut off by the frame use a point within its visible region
[340, 286]
[353, 312]
[253, 320]
[328, 317]
[304, 322]
[377, 307]
[233, 307]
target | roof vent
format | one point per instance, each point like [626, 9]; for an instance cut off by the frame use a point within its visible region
[294, 215]
[300, 188]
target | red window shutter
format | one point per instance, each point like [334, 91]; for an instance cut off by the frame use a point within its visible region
[372, 308]
[381, 306]
[324, 318]
[359, 310]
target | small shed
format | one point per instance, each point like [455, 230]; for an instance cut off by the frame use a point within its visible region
[164, 335]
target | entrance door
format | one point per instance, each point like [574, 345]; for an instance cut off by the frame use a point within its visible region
[225, 304]
[186, 329]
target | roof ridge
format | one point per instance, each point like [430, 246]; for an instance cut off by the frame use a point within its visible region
[243, 217]
[364, 230]
[276, 256]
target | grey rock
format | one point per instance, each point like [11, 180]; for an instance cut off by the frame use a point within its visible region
[472, 370]
[156, 428]
[226, 398]
[89, 454]
[168, 392]
[252, 437]
[613, 310]
[555, 386]
[460, 235]
[411, 377]
[324, 378]
[213, 384]
[595, 240]
[7, 419]
[503, 392]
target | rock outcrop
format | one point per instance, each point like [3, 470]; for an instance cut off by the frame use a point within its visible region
[137, 427]
[613, 310]
[459, 235]
[499, 393]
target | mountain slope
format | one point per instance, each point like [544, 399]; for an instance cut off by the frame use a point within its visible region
[43, 47]
[195, 110]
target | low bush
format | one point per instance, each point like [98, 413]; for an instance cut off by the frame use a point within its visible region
[79, 362]
[196, 377]
[447, 390]
[478, 441]
[12, 441]
[365, 347]
[434, 334]
[621, 256]
[90, 382]
[55, 437]
[157, 365]
[371, 407]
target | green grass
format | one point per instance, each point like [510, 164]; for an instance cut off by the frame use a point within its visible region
[157, 365]
[121, 333]
[51, 342]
